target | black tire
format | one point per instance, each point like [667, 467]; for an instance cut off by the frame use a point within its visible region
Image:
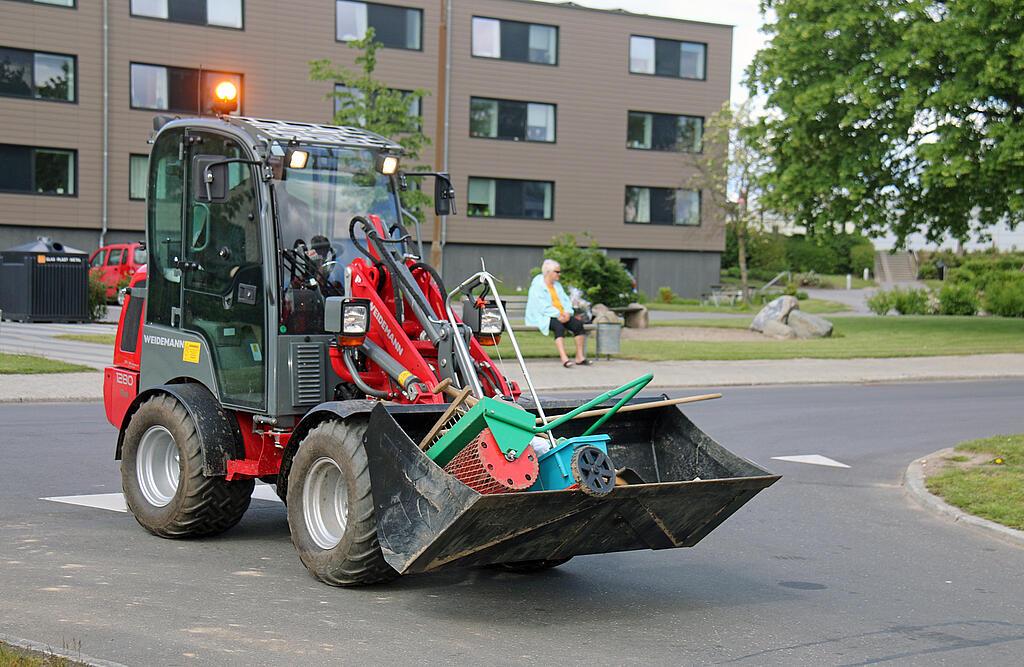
[200, 505]
[355, 559]
[532, 566]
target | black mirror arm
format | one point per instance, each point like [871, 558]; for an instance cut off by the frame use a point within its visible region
[208, 175]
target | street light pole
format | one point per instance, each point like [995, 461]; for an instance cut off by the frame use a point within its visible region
[441, 135]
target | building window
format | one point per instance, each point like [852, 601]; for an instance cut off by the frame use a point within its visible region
[40, 171]
[664, 132]
[343, 96]
[510, 198]
[37, 75]
[506, 119]
[220, 13]
[662, 206]
[58, 3]
[394, 27]
[667, 57]
[513, 40]
[138, 166]
[180, 89]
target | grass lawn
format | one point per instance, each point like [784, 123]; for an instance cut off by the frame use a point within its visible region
[854, 337]
[839, 282]
[807, 305]
[28, 364]
[98, 339]
[976, 484]
[16, 657]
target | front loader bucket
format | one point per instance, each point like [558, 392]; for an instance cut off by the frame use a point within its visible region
[427, 519]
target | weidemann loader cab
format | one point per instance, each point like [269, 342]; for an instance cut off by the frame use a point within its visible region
[286, 330]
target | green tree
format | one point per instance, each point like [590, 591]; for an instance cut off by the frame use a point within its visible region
[899, 115]
[371, 104]
[601, 278]
[729, 173]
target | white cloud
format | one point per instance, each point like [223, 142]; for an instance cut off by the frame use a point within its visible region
[743, 14]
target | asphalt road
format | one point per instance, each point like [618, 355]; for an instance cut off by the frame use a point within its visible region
[829, 566]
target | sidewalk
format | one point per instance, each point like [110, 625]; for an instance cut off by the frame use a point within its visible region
[550, 376]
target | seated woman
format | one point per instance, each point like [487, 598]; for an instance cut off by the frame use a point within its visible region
[549, 309]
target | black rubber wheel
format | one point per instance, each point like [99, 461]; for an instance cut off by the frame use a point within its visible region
[532, 566]
[162, 475]
[593, 470]
[330, 507]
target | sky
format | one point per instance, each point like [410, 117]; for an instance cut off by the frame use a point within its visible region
[743, 14]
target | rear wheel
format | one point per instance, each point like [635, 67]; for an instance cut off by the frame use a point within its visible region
[162, 475]
[330, 507]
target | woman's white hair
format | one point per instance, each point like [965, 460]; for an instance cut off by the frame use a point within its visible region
[548, 266]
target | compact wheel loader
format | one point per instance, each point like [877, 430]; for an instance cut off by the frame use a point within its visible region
[286, 330]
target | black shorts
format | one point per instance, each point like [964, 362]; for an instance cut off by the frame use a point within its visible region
[574, 326]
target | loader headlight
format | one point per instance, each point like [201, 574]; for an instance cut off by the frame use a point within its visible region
[355, 317]
[349, 318]
[387, 164]
[484, 320]
[490, 322]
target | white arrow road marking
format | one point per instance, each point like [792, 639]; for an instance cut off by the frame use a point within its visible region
[103, 501]
[115, 501]
[813, 459]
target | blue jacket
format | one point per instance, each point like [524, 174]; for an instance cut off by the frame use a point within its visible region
[540, 309]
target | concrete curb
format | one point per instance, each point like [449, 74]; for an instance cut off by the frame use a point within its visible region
[913, 482]
[39, 647]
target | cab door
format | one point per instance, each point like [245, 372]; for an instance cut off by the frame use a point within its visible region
[223, 297]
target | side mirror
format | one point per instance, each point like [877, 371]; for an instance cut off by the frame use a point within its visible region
[210, 178]
[200, 232]
[444, 195]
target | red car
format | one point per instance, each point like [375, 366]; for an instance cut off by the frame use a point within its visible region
[115, 263]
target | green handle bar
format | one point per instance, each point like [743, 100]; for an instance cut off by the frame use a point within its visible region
[631, 389]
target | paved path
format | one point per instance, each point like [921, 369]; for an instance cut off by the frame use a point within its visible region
[40, 339]
[550, 376]
[829, 566]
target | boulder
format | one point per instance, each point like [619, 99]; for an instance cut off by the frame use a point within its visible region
[808, 326]
[777, 310]
[604, 314]
[777, 329]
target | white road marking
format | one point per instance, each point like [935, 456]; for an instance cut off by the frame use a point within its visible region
[103, 501]
[265, 492]
[115, 501]
[813, 459]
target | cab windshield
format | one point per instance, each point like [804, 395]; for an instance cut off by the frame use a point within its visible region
[315, 205]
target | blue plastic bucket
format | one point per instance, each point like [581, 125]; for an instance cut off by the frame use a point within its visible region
[556, 463]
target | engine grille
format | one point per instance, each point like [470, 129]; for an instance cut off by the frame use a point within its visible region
[307, 369]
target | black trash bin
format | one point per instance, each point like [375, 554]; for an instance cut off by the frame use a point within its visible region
[44, 281]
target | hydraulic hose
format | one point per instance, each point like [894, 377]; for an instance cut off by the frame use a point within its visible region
[357, 380]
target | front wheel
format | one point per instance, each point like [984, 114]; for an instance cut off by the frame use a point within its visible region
[330, 507]
[162, 475]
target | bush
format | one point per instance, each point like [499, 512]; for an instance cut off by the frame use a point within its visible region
[811, 279]
[862, 257]
[910, 301]
[805, 254]
[97, 298]
[1006, 298]
[958, 300]
[666, 295]
[791, 290]
[881, 302]
[602, 279]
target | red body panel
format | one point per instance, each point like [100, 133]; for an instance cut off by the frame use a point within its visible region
[120, 387]
[263, 450]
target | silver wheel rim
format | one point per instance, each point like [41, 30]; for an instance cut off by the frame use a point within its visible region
[157, 466]
[325, 503]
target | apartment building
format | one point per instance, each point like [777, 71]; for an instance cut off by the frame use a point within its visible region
[555, 118]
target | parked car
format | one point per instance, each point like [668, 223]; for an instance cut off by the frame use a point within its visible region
[115, 263]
